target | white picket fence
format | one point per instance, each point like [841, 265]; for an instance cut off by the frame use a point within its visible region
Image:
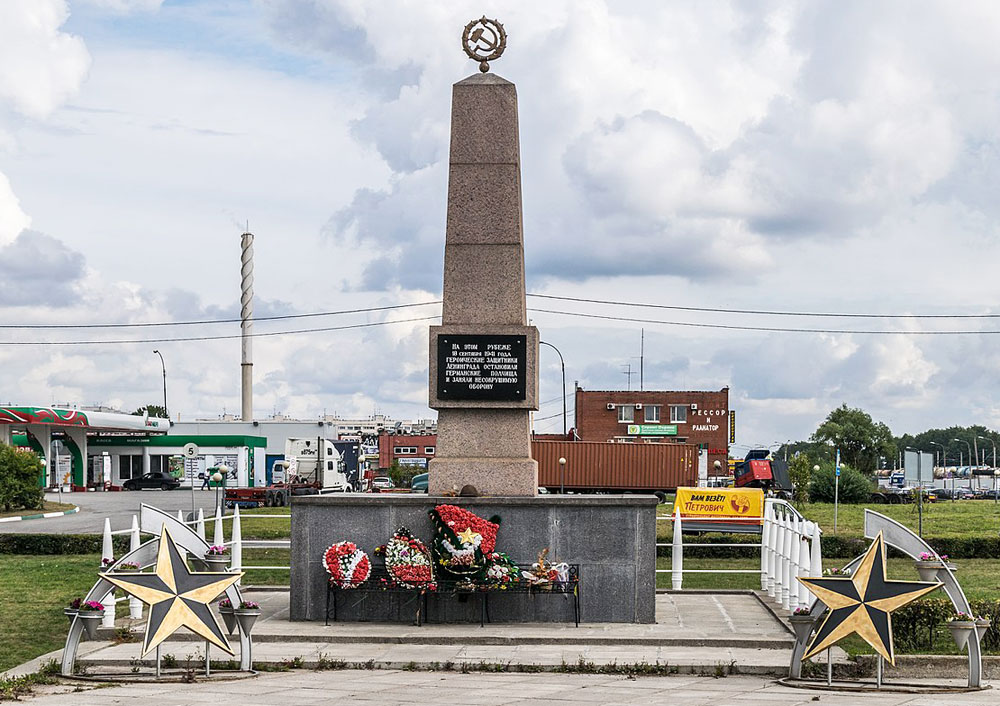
[789, 548]
[236, 544]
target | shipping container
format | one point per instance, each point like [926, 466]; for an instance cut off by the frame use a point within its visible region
[593, 466]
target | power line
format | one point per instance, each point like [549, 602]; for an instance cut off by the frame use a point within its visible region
[765, 312]
[256, 319]
[774, 329]
[214, 338]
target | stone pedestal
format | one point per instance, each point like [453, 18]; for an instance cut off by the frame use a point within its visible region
[484, 442]
[611, 537]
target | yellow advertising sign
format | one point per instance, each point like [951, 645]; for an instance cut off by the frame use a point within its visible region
[734, 503]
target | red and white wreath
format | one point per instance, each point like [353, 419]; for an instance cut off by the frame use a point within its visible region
[409, 561]
[348, 566]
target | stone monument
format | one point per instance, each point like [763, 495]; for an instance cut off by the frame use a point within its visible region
[483, 357]
[484, 384]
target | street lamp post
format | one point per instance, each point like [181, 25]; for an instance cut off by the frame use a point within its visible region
[562, 364]
[562, 475]
[163, 365]
[217, 479]
[985, 438]
[970, 459]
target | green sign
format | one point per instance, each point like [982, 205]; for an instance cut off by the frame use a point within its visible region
[653, 429]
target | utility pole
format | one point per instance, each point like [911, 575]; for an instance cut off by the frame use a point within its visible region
[628, 375]
[642, 356]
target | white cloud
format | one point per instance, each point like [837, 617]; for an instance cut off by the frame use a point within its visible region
[122, 7]
[12, 219]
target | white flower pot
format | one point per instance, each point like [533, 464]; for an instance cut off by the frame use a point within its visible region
[219, 563]
[91, 621]
[246, 618]
[961, 631]
[927, 570]
[981, 627]
[70, 613]
[229, 618]
[802, 625]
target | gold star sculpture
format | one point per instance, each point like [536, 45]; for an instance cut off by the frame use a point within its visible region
[863, 603]
[176, 596]
[467, 536]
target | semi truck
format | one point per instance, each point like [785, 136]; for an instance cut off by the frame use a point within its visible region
[311, 466]
[758, 470]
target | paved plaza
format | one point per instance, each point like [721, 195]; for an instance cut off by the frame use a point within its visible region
[455, 689]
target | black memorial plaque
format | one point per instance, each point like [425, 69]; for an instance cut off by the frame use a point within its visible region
[481, 367]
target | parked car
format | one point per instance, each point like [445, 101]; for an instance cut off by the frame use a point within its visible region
[955, 493]
[382, 483]
[160, 480]
[418, 484]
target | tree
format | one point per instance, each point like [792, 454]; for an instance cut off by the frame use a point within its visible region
[800, 472]
[861, 440]
[19, 474]
[854, 487]
[155, 410]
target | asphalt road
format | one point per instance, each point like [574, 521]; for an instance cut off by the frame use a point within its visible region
[120, 507]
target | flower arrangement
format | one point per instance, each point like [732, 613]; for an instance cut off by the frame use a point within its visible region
[75, 604]
[91, 606]
[225, 604]
[407, 560]
[249, 605]
[544, 573]
[835, 572]
[502, 571]
[960, 617]
[927, 556]
[462, 542]
[348, 566]
[801, 612]
[128, 566]
[217, 550]
[106, 562]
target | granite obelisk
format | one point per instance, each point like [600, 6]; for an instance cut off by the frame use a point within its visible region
[483, 358]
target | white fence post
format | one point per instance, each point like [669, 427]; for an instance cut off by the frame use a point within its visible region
[802, 592]
[793, 568]
[677, 553]
[134, 604]
[765, 533]
[786, 562]
[180, 516]
[219, 539]
[237, 543]
[200, 524]
[816, 553]
[771, 543]
[108, 556]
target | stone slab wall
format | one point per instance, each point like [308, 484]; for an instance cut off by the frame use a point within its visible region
[612, 537]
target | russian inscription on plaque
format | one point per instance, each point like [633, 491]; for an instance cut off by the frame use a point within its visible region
[481, 367]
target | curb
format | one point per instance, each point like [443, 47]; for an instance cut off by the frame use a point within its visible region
[40, 515]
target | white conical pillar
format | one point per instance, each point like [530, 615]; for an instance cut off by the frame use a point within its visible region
[786, 569]
[107, 557]
[237, 543]
[804, 596]
[816, 553]
[677, 553]
[219, 539]
[180, 516]
[134, 604]
[200, 523]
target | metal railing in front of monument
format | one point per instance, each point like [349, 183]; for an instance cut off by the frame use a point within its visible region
[789, 548]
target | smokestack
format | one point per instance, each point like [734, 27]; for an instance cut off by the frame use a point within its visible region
[246, 324]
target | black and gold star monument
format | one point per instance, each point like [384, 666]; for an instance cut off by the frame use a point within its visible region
[176, 596]
[863, 603]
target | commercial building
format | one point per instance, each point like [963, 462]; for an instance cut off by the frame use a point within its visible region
[697, 417]
[406, 449]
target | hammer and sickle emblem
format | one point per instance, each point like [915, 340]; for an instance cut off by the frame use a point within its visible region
[484, 40]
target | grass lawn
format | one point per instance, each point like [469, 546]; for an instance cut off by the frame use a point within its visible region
[944, 518]
[46, 507]
[35, 589]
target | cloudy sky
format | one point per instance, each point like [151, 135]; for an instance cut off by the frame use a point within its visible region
[837, 157]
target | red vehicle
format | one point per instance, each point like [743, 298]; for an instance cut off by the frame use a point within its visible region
[757, 470]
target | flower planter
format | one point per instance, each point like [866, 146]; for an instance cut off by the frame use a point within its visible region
[928, 569]
[217, 563]
[981, 627]
[70, 613]
[246, 617]
[802, 625]
[961, 631]
[229, 618]
[91, 620]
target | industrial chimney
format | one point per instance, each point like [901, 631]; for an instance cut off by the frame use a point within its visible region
[246, 324]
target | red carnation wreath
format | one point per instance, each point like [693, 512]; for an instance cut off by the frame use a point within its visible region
[348, 566]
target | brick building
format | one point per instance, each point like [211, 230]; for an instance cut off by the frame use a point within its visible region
[408, 449]
[661, 416]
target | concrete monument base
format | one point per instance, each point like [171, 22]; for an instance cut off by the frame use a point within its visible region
[611, 537]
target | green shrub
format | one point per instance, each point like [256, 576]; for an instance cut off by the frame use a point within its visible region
[918, 624]
[59, 544]
[834, 546]
[854, 487]
[19, 474]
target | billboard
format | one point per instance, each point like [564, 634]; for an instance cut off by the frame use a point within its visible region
[914, 461]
